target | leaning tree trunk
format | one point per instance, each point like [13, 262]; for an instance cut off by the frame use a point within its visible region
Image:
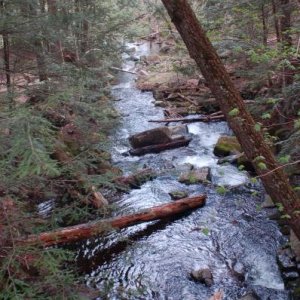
[250, 137]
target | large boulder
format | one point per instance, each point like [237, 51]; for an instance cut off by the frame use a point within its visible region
[160, 135]
[201, 175]
[227, 145]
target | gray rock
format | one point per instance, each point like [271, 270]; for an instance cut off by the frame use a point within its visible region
[203, 276]
[295, 245]
[250, 296]
[286, 260]
[194, 176]
[290, 275]
[239, 270]
[268, 202]
[176, 195]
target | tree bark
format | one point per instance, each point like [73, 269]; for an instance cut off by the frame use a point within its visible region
[276, 22]
[234, 109]
[287, 41]
[286, 23]
[264, 23]
[6, 51]
[84, 231]
[41, 61]
[6, 59]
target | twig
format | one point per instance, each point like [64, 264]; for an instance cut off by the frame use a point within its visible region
[280, 167]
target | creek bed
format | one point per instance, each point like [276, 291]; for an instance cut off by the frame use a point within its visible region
[230, 235]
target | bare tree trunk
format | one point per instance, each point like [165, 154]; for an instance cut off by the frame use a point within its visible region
[6, 51]
[84, 231]
[251, 139]
[286, 23]
[41, 62]
[57, 48]
[264, 22]
[276, 22]
[287, 42]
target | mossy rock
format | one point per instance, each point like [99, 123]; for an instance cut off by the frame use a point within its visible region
[195, 176]
[177, 195]
[227, 145]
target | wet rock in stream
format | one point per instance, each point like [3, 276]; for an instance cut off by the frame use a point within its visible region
[201, 175]
[203, 276]
[177, 195]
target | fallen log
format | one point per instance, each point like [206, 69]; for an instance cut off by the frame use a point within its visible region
[160, 147]
[87, 230]
[185, 120]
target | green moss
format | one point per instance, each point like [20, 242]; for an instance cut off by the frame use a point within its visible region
[227, 145]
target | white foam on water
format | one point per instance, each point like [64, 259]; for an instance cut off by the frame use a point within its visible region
[228, 176]
[199, 161]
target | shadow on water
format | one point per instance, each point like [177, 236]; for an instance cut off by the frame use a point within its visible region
[106, 255]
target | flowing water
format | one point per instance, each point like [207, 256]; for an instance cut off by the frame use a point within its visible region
[230, 235]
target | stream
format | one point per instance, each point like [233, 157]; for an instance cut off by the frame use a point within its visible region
[230, 235]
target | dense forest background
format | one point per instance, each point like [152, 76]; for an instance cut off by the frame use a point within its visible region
[56, 110]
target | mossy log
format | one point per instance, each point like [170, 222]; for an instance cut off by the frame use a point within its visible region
[87, 230]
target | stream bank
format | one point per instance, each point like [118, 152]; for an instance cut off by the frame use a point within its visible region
[231, 236]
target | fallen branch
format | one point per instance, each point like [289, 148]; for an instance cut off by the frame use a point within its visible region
[87, 230]
[185, 120]
[279, 167]
[160, 147]
[122, 70]
[187, 99]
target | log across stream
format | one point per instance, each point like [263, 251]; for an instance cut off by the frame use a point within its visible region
[230, 235]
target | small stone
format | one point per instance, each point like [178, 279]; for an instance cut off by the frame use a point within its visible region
[295, 245]
[250, 296]
[268, 202]
[286, 260]
[239, 270]
[275, 215]
[176, 195]
[290, 275]
[285, 229]
[203, 276]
